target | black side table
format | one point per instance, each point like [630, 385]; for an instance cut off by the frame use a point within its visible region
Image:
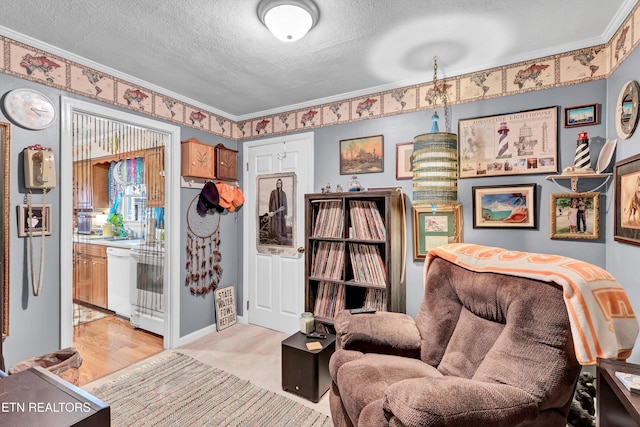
[306, 372]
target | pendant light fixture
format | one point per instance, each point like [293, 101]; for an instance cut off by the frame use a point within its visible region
[435, 157]
[288, 20]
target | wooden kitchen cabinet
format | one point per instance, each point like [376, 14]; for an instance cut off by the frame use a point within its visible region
[90, 185]
[82, 191]
[81, 278]
[100, 186]
[154, 177]
[90, 274]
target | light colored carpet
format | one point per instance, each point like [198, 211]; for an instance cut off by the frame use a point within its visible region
[252, 353]
[173, 389]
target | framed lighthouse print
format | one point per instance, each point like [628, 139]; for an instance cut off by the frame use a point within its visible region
[520, 143]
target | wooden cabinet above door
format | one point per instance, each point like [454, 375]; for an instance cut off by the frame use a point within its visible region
[204, 161]
[226, 163]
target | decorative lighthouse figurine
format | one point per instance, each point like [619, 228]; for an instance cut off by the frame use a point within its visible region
[583, 158]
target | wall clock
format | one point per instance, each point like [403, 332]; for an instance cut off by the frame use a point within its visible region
[627, 109]
[29, 109]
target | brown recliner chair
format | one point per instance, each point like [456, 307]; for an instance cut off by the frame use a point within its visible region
[485, 349]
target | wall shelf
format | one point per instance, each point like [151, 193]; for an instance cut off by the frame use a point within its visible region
[575, 177]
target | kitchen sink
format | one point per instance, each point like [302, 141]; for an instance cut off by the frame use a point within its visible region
[115, 238]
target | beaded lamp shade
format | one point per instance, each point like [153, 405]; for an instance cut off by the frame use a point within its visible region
[435, 168]
[435, 158]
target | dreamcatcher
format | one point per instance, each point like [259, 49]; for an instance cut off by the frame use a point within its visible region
[203, 250]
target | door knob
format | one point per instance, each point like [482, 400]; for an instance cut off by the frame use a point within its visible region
[301, 250]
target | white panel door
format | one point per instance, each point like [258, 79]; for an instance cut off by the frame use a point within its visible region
[275, 274]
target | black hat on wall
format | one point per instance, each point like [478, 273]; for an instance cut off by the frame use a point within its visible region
[209, 199]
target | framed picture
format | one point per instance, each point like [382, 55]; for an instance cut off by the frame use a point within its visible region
[276, 216]
[5, 172]
[581, 115]
[362, 155]
[574, 216]
[509, 144]
[626, 178]
[404, 152]
[39, 221]
[433, 227]
[504, 206]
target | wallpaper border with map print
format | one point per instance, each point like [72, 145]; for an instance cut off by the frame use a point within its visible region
[579, 66]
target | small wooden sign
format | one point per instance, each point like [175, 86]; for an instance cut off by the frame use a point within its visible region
[225, 300]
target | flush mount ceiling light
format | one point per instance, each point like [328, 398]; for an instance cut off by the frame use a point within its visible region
[288, 20]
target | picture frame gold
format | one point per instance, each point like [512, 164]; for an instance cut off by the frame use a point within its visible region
[5, 148]
[579, 222]
[505, 206]
[626, 181]
[362, 155]
[404, 151]
[435, 226]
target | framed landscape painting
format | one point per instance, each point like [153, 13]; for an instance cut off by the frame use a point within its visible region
[505, 206]
[581, 115]
[362, 155]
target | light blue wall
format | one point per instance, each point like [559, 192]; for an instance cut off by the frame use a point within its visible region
[35, 321]
[402, 128]
[198, 311]
[621, 257]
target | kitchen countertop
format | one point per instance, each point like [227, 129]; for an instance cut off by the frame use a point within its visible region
[117, 243]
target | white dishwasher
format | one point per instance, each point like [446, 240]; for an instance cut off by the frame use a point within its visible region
[121, 276]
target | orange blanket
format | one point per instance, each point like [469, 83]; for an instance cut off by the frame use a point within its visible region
[603, 323]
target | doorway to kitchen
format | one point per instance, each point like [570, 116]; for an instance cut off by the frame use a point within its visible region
[119, 190]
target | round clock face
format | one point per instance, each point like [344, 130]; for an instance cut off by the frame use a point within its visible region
[29, 108]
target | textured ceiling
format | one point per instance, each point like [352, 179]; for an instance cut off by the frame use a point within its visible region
[217, 55]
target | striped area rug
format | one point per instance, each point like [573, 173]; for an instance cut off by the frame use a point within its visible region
[177, 390]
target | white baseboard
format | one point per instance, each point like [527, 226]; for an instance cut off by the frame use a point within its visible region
[195, 335]
[204, 331]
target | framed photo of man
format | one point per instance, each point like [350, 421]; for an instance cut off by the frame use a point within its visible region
[276, 215]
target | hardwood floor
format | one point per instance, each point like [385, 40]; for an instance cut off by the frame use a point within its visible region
[110, 344]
